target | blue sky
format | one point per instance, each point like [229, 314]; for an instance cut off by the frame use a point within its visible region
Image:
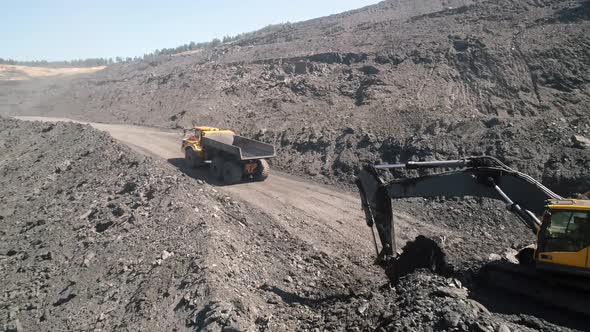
[68, 29]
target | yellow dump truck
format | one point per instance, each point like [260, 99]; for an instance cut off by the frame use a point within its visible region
[231, 158]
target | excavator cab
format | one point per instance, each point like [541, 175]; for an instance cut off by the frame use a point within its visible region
[564, 237]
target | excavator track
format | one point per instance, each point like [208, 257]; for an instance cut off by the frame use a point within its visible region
[568, 292]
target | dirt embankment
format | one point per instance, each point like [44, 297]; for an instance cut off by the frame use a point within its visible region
[95, 236]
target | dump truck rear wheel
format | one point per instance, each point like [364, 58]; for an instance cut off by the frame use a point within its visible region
[216, 168]
[190, 156]
[263, 170]
[232, 173]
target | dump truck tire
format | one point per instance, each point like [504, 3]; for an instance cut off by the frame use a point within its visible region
[263, 170]
[190, 157]
[216, 168]
[232, 173]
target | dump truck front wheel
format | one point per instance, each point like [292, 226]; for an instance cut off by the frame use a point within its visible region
[262, 171]
[216, 168]
[232, 173]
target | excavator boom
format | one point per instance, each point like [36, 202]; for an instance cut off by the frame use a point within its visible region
[475, 176]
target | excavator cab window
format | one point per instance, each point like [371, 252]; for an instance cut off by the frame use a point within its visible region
[566, 231]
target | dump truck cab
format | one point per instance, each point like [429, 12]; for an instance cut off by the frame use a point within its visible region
[193, 137]
[564, 237]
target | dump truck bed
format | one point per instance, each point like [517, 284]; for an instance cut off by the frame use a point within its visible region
[241, 147]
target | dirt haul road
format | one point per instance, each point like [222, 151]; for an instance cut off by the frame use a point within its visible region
[330, 220]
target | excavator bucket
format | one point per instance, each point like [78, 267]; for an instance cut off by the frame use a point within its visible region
[376, 204]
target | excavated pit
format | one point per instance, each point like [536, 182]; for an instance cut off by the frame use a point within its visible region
[421, 253]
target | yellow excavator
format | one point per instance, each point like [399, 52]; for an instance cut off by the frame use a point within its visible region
[556, 271]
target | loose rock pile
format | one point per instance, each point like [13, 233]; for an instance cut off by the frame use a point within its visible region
[94, 236]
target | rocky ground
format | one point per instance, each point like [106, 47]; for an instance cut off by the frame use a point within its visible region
[95, 236]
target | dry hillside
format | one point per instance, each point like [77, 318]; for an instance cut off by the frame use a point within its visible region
[393, 81]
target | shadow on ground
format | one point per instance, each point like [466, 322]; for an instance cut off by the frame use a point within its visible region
[528, 311]
[425, 253]
[199, 173]
[574, 14]
[291, 298]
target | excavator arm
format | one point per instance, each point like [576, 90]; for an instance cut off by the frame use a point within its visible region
[476, 176]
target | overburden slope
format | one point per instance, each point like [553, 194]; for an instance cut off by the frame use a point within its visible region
[95, 236]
